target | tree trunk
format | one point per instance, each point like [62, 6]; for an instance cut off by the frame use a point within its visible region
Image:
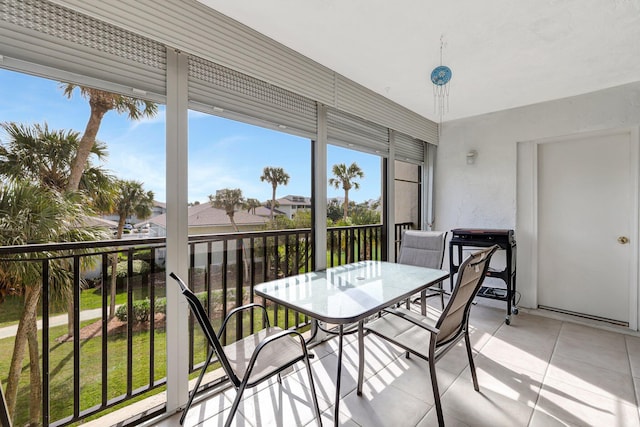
[346, 204]
[32, 295]
[35, 401]
[77, 169]
[273, 201]
[85, 146]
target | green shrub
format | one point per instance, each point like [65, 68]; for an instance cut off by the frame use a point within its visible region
[142, 308]
[141, 311]
[139, 267]
[143, 254]
[161, 305]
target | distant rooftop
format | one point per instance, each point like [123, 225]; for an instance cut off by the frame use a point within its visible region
[206, 215]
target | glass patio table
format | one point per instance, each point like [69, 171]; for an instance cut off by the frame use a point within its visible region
[349, 293]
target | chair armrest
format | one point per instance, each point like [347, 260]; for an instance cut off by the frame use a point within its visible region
[240, 309]
[272, 339]
[431, 329]
[281, 335]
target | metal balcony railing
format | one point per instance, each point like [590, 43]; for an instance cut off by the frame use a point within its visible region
[100, 367]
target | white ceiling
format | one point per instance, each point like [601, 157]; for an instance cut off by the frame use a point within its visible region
[503, 53]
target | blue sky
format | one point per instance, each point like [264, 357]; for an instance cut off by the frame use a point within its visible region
[222, 153]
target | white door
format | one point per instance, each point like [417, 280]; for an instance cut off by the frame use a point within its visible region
[586, 214]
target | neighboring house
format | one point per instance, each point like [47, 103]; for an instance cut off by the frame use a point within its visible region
[159, 208]
[265, 212]
[94, 221]
[289, 205]
[205, 219]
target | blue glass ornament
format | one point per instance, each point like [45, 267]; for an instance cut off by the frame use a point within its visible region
[441, 75]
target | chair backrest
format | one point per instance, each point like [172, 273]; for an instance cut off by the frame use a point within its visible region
[471, 274]
[203, 320]
[422, 248]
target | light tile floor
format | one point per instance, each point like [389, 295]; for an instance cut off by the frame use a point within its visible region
[539, 371]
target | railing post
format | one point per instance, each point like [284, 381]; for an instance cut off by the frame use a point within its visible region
[76, 336]
[130, 320]
[152, 320]
[45, 346]
[239, 283]
[351, 233]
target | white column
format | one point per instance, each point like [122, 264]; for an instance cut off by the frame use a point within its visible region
[390, 200]
[428, 212]
[177, 240]
[320, 190]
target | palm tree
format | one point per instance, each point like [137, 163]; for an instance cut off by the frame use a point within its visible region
[44, 157]
[229, 200]
[100, 103]
[346, 177]
[251, 205]
[276, 176]
[30, 213]
[130, 199]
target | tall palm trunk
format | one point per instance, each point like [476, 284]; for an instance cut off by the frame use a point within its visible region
[273, 201]
[85, 146]
[346, 204]
[77, 168]
[28, 318]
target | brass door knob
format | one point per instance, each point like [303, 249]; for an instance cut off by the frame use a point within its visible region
[623, 240]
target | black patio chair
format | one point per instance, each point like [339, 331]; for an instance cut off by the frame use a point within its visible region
[430, 338]
[250, 360]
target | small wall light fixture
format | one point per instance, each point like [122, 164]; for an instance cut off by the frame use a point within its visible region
[471, 157]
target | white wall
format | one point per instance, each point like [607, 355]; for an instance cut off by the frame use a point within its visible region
[486, 194]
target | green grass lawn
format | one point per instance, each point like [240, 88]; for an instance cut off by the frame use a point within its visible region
[11, 308]
[62, 363]
[61, 370]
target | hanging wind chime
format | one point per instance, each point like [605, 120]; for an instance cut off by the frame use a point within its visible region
[440, 77]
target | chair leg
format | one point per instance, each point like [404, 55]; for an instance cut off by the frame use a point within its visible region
[236, 403]
[360, 356]
[197, 386]
[472, 365]
[314, 396]
[436, 391]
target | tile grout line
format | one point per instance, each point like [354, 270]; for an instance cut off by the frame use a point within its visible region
[544, 376]
[633, 386]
